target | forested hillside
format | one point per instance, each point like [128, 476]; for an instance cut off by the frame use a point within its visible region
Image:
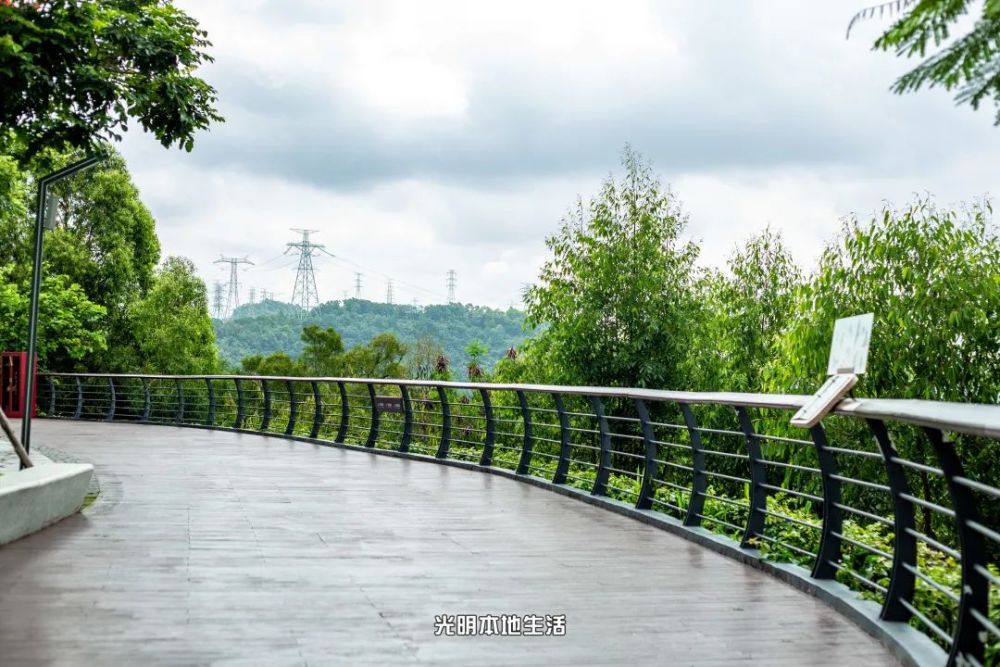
[271, 326]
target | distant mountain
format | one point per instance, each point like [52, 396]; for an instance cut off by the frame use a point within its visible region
[272, 326]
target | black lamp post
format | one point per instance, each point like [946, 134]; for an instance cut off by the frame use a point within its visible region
[36, 286]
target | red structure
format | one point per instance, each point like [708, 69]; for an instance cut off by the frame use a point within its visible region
[13, 372]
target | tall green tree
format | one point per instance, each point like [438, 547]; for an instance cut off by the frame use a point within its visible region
[380, 358]
[746, 309]
[74, 72]
[106, 242]
[616, 298]
[968, 64]
[171, 324]
[323, 351]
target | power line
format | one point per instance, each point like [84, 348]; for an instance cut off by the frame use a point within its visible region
[304, 294]
[233, 293]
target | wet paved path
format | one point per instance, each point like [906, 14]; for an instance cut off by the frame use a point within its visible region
[218, 548]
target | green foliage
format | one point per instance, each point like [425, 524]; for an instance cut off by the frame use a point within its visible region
[76, 72]
[746, 310]
[268, 327]
[323, 351]
[381, 358]
[422, 359]
[69, 324]
[968, 64]
[932, 278]
[172, 328]
[476, 351]
[618, 294]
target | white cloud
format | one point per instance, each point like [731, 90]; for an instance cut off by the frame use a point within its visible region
[421, 137]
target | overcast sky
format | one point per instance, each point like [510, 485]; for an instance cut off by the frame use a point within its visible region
[419, 137]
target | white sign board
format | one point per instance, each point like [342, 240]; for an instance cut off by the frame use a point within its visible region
[851, 339]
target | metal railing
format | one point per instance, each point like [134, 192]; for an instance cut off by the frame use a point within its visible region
[897, 500]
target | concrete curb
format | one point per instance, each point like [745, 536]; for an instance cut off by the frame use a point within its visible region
[38, 497]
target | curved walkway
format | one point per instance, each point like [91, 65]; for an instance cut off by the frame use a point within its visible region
[218, 548]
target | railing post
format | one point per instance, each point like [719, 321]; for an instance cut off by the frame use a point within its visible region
[113, 398]
[180, 401]
[293, 408]
[265, 420]
[562, 465]
[966, 643]
[238, 423]
[404, 442]
[445, 444]
[345, 414]
[52, 395]
[647, 491]
[491, 428]
[523, 465]
[604, 463]
[145, 400]
[833, 518]
[210, 418]
[902, 580]
[699, 483]
[79, 398]
[318, 414]
[758, 478]
[373, 431]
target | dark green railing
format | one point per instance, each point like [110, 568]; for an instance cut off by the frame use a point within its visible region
[895, 500]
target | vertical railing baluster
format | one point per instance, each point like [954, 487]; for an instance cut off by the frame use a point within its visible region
[293, 408]
[604, 463]
[648, 490]
[758, 478]
[52, 395]
[145, 400]
[265, 420]
[833, 519]
[79, 398]
[210, 417]
[699, 482]
[112, 399]
[404, 442]
[565, 451]
[345, 414]
[318, 414]
[902, 580]
[445, 444]
[967, 646]
[179, 386]
[491, 428]
[373, 431]
[238, 422]
[524, 464]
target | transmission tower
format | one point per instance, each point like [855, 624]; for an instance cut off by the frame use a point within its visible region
[218, 304]
[388, 292]
[357, 285]
[233, 294]
[304, 294]
[266, 295]
[253, 295]
[451, 285]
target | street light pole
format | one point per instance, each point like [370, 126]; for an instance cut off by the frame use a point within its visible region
[36, 287]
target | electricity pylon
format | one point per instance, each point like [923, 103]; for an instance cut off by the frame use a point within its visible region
[218, 305]
[233, 294]
[388, 292]
[451, 285]
[304, 294]
[357, 285]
